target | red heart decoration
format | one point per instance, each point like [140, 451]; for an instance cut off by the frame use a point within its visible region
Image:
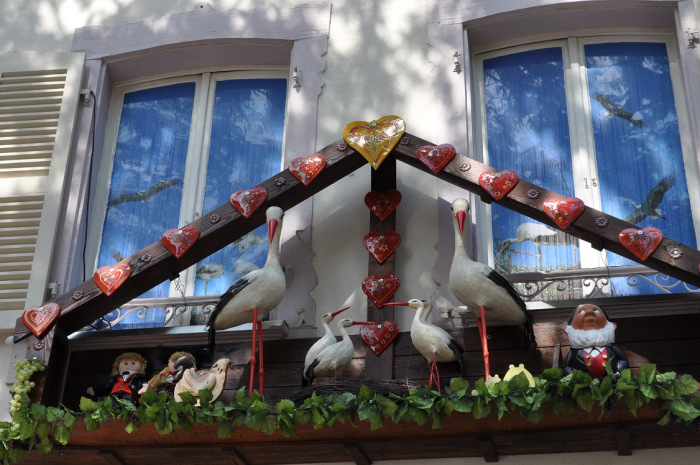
[246, 201]
[380, 290]
[641, 242]
[110, 277]
[436, 157]
[382, 203]
[306, 169]
[178, 241]
[381, 245]
[563, 211]
[39, 319]
[378, 337]
[498, 183]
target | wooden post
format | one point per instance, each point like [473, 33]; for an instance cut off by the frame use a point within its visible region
[53, 349]
[381, 366]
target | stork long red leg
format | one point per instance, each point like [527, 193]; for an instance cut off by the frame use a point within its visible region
[261, 371]
[481, 323]
[434, 374]
[253, 357]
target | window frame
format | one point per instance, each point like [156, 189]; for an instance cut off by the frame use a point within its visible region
[294, 39]
[582, 144]
[196, 165]
[449, 23]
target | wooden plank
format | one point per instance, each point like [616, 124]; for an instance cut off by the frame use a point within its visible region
[383, 178]
[598, 228]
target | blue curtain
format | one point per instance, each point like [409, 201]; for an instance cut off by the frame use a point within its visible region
[528, 132]
[638, 146]
[146, 186]
[246, 149]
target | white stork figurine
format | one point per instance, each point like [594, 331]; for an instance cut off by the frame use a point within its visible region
[433, 342]
[253, 297]
[327, 339]
[333, 358]
[477, 285]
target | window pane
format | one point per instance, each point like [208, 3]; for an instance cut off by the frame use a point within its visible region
[245, 149]
[638, 146]
[528, 132]
[146, 186]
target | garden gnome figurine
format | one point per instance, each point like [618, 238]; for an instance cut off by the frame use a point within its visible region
[593, 347]
[171, 374]
[128, 376]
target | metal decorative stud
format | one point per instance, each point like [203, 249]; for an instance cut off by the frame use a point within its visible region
[342, 147]
[533, 194]
[39, 344]
[279, 182]
[77, 295]
[674, 250]
[405, 140]
[213, 219]
[466, 166]
[145, 258]
[601, 221]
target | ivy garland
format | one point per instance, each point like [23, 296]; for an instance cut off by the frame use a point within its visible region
[39, 427]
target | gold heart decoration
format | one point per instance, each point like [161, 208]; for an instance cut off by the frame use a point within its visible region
[374, 140]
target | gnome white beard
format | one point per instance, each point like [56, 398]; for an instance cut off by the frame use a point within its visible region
[581, 338]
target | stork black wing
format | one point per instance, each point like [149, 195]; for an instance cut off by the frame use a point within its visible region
[457, 350]
[496, 277]
[235, 288]
[307, 378]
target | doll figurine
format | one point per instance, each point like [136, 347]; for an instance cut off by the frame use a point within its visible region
[171, 374]
[128, 375]
[593, 348]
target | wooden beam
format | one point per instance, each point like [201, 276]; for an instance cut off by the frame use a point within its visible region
[624, 440]
[598, 228]
[235, 456]
[381, 366]
[151, 266]
[556, 360]
[487, 449]
[112, 457]
[356, 454]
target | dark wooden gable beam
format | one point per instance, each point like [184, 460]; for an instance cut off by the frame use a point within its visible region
[151, 266]
[85, 303]
[594, 226]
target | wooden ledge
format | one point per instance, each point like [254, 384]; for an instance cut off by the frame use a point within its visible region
[460, 436]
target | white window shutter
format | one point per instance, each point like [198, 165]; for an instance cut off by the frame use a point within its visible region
[39, 95]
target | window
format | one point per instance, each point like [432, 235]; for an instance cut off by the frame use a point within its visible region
[261, 39]
[596, 119]
[181, 147]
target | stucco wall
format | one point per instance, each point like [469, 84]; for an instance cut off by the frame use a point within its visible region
[377, 64]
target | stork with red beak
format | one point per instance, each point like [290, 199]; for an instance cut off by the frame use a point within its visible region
[477, 285]
[253, 297]
[433, 342]
[325, 341]
[333, 358]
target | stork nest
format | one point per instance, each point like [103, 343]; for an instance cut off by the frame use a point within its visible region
[400, 387]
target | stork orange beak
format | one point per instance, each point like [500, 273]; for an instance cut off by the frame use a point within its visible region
[271, 228]
[339, 311]
[405, 304]
[365, 323]
[461, 216]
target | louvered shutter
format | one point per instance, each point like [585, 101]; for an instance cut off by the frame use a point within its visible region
[39, 94]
